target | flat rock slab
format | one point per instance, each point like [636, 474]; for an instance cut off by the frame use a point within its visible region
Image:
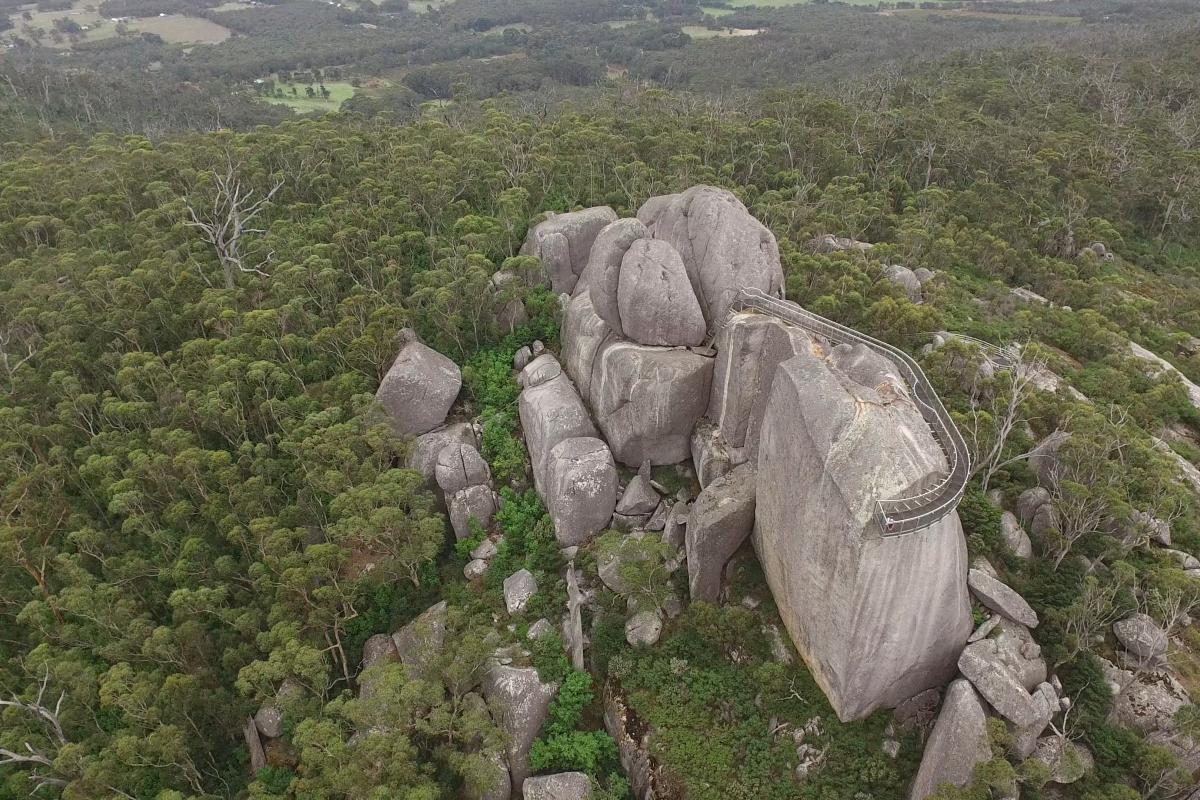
[520, 703]
[999, 597]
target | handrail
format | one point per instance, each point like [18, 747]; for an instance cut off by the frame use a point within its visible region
[902, 514]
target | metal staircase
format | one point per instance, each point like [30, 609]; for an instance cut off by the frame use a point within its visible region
[897, 515]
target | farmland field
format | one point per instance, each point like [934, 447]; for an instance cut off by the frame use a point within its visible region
[302, 104]
[176, 28]
[173, 28]
[701, 32]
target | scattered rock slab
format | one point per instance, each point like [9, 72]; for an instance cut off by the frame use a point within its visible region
[475, 569]
[958, 743]
[518, 589]
[720, 520]
[1024, 740]
[561, 786]
[999, 597]
[986, 627]
[1141, 635]
[982, 666]
[420, 641]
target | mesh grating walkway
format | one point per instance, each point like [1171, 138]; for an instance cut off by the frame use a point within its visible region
[899, 515]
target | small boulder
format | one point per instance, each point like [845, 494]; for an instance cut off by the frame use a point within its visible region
[828, 243]
[1140, 635]
[655, 299]
[986, 627]
[269, 721]
[475, 569]
[712, 455]
[674, 532]
[958, 743]
[1019, 653]
[1044, 519]
[1015, 536]
[643, 628]
[486, 549]
[460, 466]
[1000, 598]
[1029, 502]
[924, 275]
[639, 498]
[561, 786]
[721, 519]
[541, 628]
[1185, 561]
[918, 710]
[1024, 740]
[518, 589]
[541, 369]
[1159, 530]
[419, 388]
[521, 358]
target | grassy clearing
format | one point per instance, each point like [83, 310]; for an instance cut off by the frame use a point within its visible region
[700, 32]
[422, 6]
[302, 104]
[713, 11]
[234, 5]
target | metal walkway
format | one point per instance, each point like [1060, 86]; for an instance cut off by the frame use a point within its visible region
[898, 515]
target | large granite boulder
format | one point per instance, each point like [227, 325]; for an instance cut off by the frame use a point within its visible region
[905, 279]
[584, 335]
[459, 466]
[647, 400]
[425, 449]
[749, 349]
[1029, 502]
[551, 412]
[999, 597]
[721, 519]
[419, 642]
[495, 786]
[476, 503]
[1045, 460]
[520, 703]
[560, 786]
[379, 649]
[723, 247]
[602, 277]
[652, 209]
[878, 619]
[958, 743]
[419, 387]
[519, 588]
[655, 299]
[563, 242]
[581, 489]
[1141, 635]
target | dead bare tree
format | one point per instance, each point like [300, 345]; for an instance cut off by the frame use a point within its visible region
[225, 221]
[996, 414]
[19, 343]
[48, 720]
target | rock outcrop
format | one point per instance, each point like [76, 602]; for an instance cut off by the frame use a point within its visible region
[958, 743]
[723, 247]
[602, 278]
[1141, 636]
[419, 387]
[720, 520]
[563, 242]
[999, 597]
[425, 449]
[829, 447]
[1015, 536]
[419, 642]
[520, 703]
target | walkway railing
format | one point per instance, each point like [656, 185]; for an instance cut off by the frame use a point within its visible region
[898, 515]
